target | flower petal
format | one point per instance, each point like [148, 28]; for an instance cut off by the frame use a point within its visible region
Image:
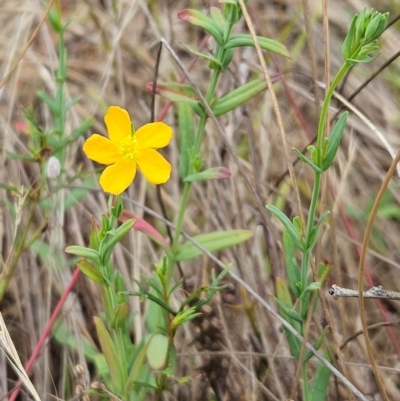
[153, 135]
[118, 124]
[101, 150]
[116, 178]
[153, 166]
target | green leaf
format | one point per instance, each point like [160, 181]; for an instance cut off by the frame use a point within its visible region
[282, 293]
[334, 141]
[157, 351]
[324, 269]
[320, 383]
[349, 40]
[186, 136]
[214, 241]
[111, 355]
[175, 92]
[288, 225]
[218, 18]
[304, 159]
[119, 316]
[238, 97]
[114, 236]
[202, 55]
[78, 132]
[292, 269]
[73, 101]
[90, 271]
[179, 93]
[83, 252]
[138, 366]
[317, 345]
[315, 230]
[265, 43]
[289, 312]
[213, 173]
[209, 25]
[184, 316]
[229, 53]
[310, 288]
[45, 98]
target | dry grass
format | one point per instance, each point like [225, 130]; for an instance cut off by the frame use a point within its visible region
[236, 350]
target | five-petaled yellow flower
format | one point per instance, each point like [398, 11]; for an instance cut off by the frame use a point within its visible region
[127, 149]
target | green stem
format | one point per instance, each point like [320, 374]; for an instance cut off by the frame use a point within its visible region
[196, 149]
[305, 383]
[304, 303]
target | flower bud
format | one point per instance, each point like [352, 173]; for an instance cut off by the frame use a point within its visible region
[53, 167]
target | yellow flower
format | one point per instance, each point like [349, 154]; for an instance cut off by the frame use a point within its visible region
[127, 149]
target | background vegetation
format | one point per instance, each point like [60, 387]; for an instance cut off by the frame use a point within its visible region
[236, 349]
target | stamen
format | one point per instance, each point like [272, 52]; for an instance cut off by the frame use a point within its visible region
[128, 147]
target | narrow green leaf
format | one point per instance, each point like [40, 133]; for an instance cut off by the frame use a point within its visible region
[208, 57]
[289, 312]
[73, 101]
[320, 383]
[229, 53]
[119, 316]
[186, 136]
[304, 159]
[310, 288]
[83, 252]
[324, 269]
[174, 92]
[317, 345]
[78, 132]
[90, 271]
[218, 18]
[197, 18]
[316, 229]
[111, 355]
[334, 141]
[184, 316]
[45, 98]
[157, 351]
[214, 241]
[265, 43]
[349, 40]
[114, 236]
[213, 173]
[238, 97]
[282, 293]
[292, 269]
[288, 225]
[137, 367]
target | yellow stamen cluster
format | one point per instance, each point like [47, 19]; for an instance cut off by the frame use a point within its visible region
[128, 148]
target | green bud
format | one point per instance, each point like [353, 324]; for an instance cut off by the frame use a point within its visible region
[364, 30]
[298, 225]
[94, 235]
[55, 21]
[197, 163]
[105, 227]
[117, 209]
[107, 246]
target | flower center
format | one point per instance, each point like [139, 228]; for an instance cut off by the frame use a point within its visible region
[128, 148]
